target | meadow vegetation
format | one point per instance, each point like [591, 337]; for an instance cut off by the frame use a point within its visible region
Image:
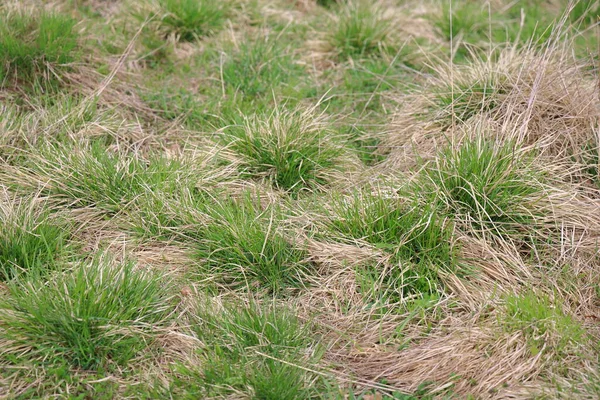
[299, 199]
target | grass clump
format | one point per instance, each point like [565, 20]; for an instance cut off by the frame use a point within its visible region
[293, 150]
[262, 351]
[190, 20]
[31, 238]
[542, 322]
[244, 246]
[97, 315]
[94, 176]
[485, 185]
[35, 47]
[361, 31]
[415, 234]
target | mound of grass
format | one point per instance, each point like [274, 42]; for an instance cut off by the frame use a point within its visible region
[361, 30]
[294, 150]
[190, 20]
[94, 176]
[485, 185]
[35, 47]
[251, 348]
[31, 239]
[542, 323]
[243, 246]
[418, 237]
[96, 315]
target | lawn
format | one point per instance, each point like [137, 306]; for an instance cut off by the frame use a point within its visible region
[299, 199]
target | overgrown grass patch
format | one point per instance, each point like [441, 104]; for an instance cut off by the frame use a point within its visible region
[32, 239]
[380, 167]
[245, 246]
[262, 349]
[97, 315]
[35, 48]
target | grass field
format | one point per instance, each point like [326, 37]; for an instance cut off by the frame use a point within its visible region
[299, 199]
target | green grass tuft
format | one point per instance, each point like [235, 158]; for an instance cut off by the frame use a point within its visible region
[415, 234]
[34, 48]
[261, 349]
[293, 150]
[193, 19]
[244, 246]
[94, 176]
[460, 102]
[361, 31]
[31, 239]
[485, 185]
[96, 315]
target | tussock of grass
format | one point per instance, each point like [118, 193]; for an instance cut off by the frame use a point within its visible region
[293, 150]
[35, 47]
[94, 176]
[362, 30]
[98, 315]
[244, 246]
[263, 349]
[31, 238]
[190, 20]
[463, 101]
[487, 186]
[417, 237]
